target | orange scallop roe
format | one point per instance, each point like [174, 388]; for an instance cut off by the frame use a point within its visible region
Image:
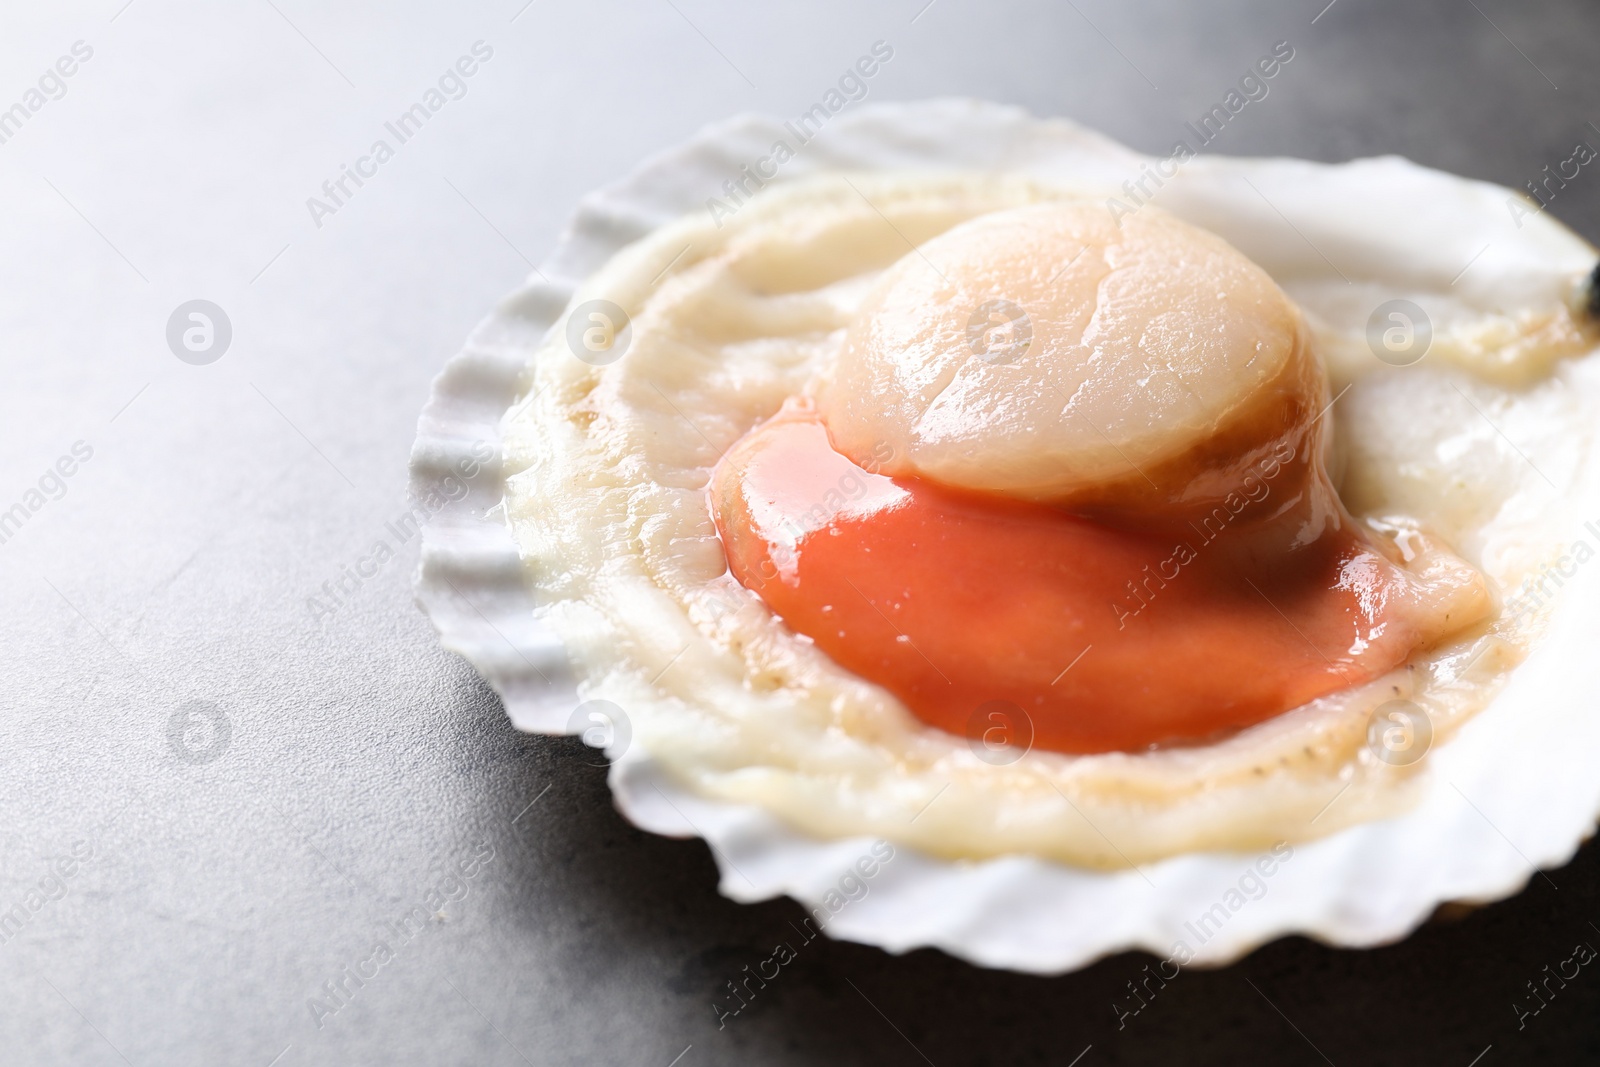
[1102, 637]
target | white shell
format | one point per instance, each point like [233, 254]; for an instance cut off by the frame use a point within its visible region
[1514, 791]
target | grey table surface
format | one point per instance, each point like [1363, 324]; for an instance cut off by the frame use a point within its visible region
[215, 799]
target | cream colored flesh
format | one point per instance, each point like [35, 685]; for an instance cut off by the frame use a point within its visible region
[1130, 344]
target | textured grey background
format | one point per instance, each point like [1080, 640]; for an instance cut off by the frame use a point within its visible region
[362, 759]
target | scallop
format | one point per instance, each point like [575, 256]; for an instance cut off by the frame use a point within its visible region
[1125, 344]
[1437, 351]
